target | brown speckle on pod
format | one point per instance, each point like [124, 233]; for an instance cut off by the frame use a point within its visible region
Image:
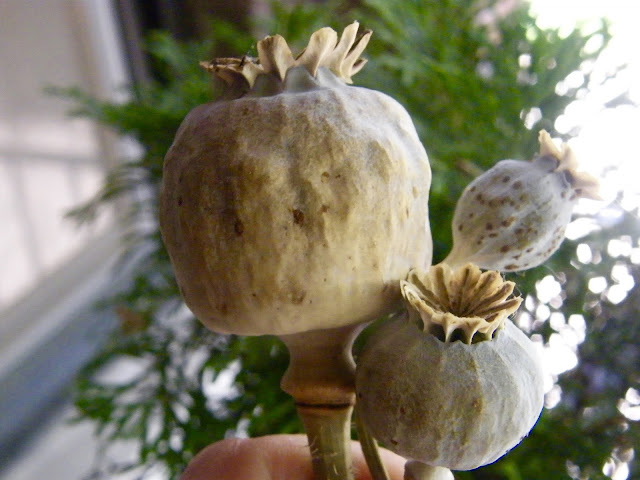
[508, 221]
[298, 216]
[238, 227]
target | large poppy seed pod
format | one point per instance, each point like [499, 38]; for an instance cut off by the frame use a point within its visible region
[513, 216]
[456, 384]
[297, 202]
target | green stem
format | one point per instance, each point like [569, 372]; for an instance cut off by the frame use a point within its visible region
[370, 450]
[321, 380]
[329, 434]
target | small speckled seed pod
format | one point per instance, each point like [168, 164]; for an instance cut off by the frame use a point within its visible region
[455, 384]
[513, 216]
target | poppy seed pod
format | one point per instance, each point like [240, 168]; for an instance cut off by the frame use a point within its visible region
[455, 384]
[513, 216]
[296, 202]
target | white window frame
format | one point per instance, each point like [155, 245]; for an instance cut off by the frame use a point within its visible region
[48, 335]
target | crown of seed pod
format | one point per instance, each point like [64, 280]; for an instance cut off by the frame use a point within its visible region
[456, 384]
[296, 202]
[513, 216]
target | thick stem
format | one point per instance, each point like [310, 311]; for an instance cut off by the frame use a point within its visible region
[321, 368]
[329, 434]
[321, 380]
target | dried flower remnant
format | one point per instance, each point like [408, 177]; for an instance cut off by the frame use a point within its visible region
[513, 216]
[342, 57]
[465, 304]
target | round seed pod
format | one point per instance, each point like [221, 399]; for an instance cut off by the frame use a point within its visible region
[296, 202]
[454, 384]
[513, 216]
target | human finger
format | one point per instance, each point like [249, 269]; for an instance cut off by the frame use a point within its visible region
[273, 457]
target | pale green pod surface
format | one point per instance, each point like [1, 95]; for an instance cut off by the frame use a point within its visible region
[451, 405]
[300, 202]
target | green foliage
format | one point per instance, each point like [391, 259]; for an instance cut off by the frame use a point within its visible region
[468, 86]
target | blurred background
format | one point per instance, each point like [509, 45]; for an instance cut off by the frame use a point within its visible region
[103, 372]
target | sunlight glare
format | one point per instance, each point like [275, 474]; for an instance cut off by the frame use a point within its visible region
[607, 137]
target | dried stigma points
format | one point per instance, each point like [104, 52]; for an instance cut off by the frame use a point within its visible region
[513, 216]
[341, 57]
[467, 304]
